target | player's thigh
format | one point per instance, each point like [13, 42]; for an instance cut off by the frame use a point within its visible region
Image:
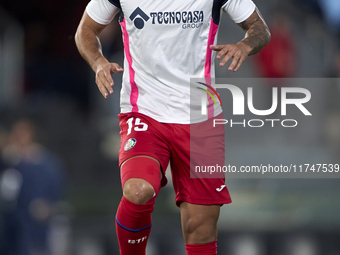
[142, 151]
[200, 147]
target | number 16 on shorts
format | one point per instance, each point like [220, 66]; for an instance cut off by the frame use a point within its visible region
[136, 124]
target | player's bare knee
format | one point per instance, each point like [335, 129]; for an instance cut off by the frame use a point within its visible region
[138, 191]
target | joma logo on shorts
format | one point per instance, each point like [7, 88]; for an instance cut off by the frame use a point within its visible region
[137, 240]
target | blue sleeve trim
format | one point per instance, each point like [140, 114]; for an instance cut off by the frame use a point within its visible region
[216, 10]
[121, 16]
[115, 3]
[130, 229]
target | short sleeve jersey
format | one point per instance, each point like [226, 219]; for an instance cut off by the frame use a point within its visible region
[166, 42]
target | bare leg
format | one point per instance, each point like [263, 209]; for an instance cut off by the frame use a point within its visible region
[199, 222]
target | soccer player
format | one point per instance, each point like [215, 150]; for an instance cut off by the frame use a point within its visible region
[167, 42]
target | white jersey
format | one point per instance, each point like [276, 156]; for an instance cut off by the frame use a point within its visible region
[166, 42]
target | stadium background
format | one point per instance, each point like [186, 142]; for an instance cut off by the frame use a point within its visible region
[43, 78]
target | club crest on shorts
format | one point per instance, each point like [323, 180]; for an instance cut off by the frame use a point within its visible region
[130, 144]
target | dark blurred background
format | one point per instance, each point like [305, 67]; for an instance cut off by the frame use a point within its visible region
[63, 137]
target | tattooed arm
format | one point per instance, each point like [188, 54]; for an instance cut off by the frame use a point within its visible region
[257, 36]
[89, 46]
[257, 32]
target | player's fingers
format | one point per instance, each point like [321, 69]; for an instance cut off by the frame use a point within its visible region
[225, 50]
[102, 89]
[101, 81]
[216, 47]
[236, 59]
[239, 64]
[116, 68]
[227, 57]
[219, 48]
[104, 78]
[108, 81]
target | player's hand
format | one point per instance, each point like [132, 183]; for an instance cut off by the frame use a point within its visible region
[103, 77]
[238, 52]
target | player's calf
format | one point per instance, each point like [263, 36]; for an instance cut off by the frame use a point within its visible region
[199, 225]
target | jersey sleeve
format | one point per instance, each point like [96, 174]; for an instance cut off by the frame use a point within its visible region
[103, 11]
[239, 10]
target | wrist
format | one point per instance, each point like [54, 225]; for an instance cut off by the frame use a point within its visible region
[246, 48]
[98, 61]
